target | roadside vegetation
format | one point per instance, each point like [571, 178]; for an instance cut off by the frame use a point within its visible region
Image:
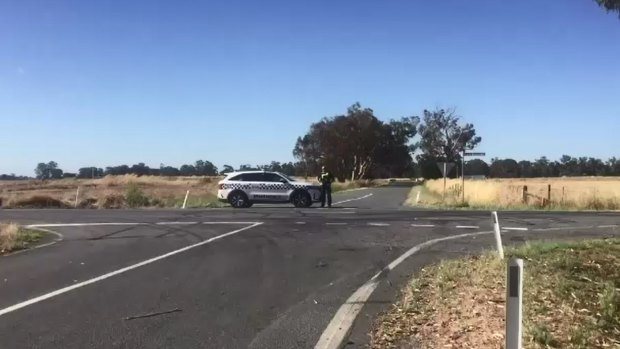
[570, 193]
[571, 300]
[13, 237]
[126, 191]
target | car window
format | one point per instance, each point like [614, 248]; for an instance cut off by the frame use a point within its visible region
[273, 177]
[236, 178]
[253, 177]
[287, 177]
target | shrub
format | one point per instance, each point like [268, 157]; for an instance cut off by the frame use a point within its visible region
[38, 201]
[112, 201]
[135, 197]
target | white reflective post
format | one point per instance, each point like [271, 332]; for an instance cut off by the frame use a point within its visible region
[185, 201]
[498, 236]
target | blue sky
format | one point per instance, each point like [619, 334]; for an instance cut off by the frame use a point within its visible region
[112, 82]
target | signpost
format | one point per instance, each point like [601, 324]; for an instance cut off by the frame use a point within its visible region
[463, 169]
[445, 168]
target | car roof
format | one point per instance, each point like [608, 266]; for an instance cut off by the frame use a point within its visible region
[253, 171]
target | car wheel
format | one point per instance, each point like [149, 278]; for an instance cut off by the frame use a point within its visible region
[238, 199]
[301, 199]
[249, 204]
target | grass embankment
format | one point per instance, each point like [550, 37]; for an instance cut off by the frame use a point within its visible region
[13, 237]
[124, 191]
[571, 300]
[572, 193]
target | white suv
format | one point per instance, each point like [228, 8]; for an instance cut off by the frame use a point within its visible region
[243, 189]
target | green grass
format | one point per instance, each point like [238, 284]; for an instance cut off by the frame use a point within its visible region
[571, 300]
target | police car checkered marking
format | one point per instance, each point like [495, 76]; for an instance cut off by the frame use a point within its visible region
[236, 186]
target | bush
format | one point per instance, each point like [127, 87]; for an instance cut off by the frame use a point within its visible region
[88, 203]
[135, 197]
[112, 201]
[38, 201]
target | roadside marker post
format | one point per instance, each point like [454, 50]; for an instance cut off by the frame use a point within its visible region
[185, 201]
[417, 198]
[77, 195]
[498, 236]
[514, 304]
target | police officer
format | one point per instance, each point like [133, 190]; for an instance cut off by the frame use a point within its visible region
[326, 179]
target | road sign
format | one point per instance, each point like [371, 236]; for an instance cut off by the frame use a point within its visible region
[445, 167]
[475, 154]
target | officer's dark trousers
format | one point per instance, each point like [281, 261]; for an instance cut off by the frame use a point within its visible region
[326, 191]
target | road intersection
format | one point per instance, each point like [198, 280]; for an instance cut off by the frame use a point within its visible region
[266, 277]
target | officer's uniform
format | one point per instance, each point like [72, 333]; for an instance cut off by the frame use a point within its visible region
[326, 179]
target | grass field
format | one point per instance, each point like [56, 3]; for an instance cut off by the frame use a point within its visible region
[13, 237]
[591, 193]
[121, 191]
[571, 300]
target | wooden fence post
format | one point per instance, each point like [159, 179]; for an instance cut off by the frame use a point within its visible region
[525, 194]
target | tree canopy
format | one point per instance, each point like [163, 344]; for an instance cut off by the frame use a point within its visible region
[610, 5]
[357, 145]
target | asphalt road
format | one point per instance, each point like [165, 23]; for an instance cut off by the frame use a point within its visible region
[266, 277]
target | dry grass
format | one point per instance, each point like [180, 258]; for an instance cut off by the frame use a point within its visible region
[13, 237]
[593, 193]
[108, 192]
[571, 300]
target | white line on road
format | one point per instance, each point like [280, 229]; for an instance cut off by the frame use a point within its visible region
[515, 228]
[563, 228]
[335, 223]
[379, 224]
[57, 225]
[467, 227]
[340, 325]
[608, 226]
[423, 225]
[119, 271]
[300, 223]
[355, 199]
[81, 224]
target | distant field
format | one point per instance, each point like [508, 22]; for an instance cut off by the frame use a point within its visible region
[592, 193]
[120, 192]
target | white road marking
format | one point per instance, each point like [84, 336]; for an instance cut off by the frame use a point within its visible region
[57, 225]
[81, 224]
[340, 325]
[230, 222]
[608, 226]
[467, 227]
[515, 228]
[356, 189]
[563, 228]
[336, 223]
[379, 224]
[355, 199]
[119, 271]
[300, 223]
[423, 225]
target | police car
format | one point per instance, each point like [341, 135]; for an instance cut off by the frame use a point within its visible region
[243, 189]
